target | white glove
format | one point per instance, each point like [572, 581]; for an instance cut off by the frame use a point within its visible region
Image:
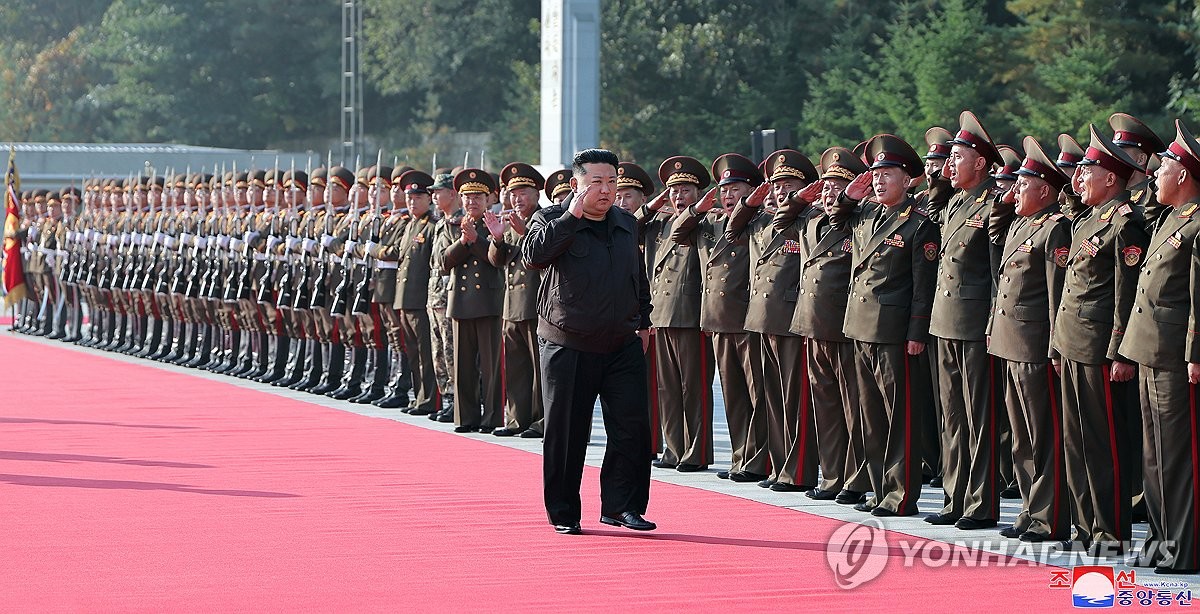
[310, 246]
[326, 240]
[350, 245]
[201, 242]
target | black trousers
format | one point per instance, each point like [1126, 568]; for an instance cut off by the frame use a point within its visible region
[571, 382]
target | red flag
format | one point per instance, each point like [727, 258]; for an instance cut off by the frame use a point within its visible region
[14, 268]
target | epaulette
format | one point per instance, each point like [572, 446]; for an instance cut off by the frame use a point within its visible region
[907, 210]
[921, 211]
[1188, 210]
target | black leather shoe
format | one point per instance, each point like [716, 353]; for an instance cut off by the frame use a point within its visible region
[1010, 493]
[568, 529]
[883, 512]
[767, 483]
[785, 487]
[936, 482]
[746, 476]
[820, 494]
[966, 523]
[390, 402]
[505, 432]
[1075, 545]
[1034, 537]
[850, 497]
[485, 429]
[345, 393]
[941, 519]
[661, 464]
[466, 428]
[865, 507]
[629, 520]
[686, 468]
[530, 434]
[446, 417]
[722, 475]
[1011, 532]
[421, 411]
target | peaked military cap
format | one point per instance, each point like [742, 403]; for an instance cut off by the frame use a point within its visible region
[938, 139]
[630, 175]
[1069, 152]
[521, 175]
[415, 182]
[340, 175]
[1108, 156]
[1184, 149]
[560, 181]
[1012, 161]
[789, 163]
[734, 167]
[841, 163]
[383, 172]
[972, 134]
[474, 181]
[1038, 164]
[677, 170]
[1129, 131]
[319, 176]
[398, 172]
[890, 150]
[295, 179]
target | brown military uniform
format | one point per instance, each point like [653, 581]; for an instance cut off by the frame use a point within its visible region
[521, 371]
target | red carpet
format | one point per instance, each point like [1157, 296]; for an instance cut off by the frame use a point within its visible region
[125, 487]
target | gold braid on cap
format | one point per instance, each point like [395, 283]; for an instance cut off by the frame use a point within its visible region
[521, 182]
[564, 187]
[787, 171]
[676, 178]
[474, 186]
[629, 182]
[838, 172]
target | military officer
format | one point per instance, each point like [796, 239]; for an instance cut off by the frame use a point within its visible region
[1143, 146]
[1070, 153]
[825, 261]
[449, 209]
[1106, 252]
[558, 186]
[726, 295]
[683, 353]
[963, 291]
[894, 262]
[474, 305]
[775, 256]
[522, 378]
[1032, 266]
[1162, 338]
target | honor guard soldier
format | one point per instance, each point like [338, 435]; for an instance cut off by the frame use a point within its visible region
[825, 262]
[726, 295]
[334, 225]
[412, 257]
[1162, 338]
[775, 267]
[683, 353]
[382, 250]
[964, 291]
[894, 262]
[519, 367]
[474, 304]
[1107, 249]
[1032, 266]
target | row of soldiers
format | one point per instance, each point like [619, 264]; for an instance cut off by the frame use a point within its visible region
[978, 318]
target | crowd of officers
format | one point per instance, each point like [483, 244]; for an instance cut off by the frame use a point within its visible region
[999, 323]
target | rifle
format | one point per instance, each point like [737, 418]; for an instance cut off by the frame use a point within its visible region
[320, 287]
[302, 298]
[341, 295]
[362, 291]
[265, 293]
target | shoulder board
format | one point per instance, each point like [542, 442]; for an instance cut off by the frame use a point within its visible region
[1054, 217]
[921, 211]
[1041, 219]
[1188, 210]
[906, 211]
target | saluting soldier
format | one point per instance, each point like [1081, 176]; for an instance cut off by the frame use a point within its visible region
[683, 354]
[725, 261]
[825, 262]
[963, 291]
[1107, 249]
[1032, 266]
[1162, 337]
[523, 413]
[775, 261]
[894, 262]
[474, 305]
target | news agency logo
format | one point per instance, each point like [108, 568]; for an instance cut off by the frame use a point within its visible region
[857, 553]
[1093, 586]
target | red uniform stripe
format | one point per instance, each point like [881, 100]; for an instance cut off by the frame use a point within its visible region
[1195, 469]
[1058, 463]
[705, 407]
[1112, 442]
[907, 435]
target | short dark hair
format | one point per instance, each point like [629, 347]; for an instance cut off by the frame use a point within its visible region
[593, 156]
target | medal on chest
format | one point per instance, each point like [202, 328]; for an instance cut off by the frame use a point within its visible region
[895, 241]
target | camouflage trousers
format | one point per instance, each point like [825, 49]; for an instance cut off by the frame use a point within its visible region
[443, 350]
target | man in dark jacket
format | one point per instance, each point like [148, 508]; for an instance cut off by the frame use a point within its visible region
[593, 311]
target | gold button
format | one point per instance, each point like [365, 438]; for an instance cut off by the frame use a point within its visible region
[476, 286]
[462, 289]
[477, 274]
[723, 293]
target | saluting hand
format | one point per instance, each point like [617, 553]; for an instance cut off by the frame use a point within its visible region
[659, 201]
[811, 192]
[860, 188]
[706, 203]
[576, 208]
[759, 195]
[494, 224]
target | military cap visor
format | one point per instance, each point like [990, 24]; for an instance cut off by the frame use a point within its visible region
[679, 170]
[972, 134]
[521, 175]
[630, 175]
[938, 141]
[415, 182]
[1038, 164]
[841, 163]
[889, 150]
[1184, 150]
[1107, 155]
[1129, 131]
[789, 164]
[559, 182]
[474, 181]
[733, 168]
